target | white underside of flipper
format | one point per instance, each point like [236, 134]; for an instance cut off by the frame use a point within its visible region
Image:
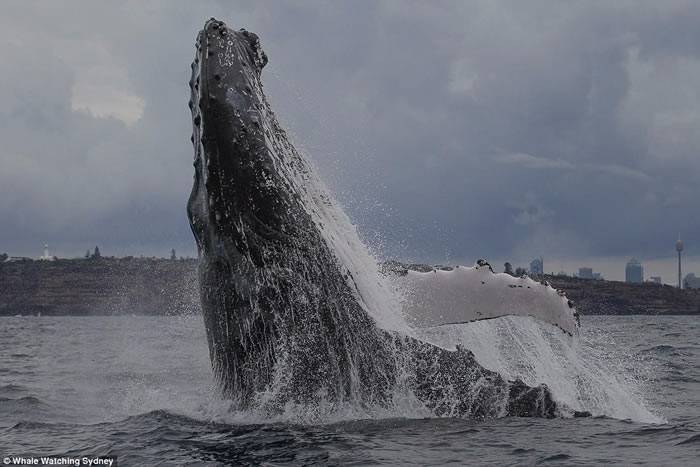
[466, 294]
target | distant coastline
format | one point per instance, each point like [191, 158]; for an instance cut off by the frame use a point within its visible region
[99, 286]
[154, 286]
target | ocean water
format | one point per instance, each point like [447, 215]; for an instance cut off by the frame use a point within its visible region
[140, 388]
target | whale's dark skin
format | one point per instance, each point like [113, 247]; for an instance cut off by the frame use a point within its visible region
[283, 320]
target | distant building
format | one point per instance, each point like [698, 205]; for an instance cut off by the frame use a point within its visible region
[634, 272]
[537, 266]
[585, 273]
[691, 281]
[655, 279]
[588, 273]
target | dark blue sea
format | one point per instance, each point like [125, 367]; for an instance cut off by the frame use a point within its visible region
[140, 388]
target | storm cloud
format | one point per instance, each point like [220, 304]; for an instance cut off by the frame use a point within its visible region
[448, 130]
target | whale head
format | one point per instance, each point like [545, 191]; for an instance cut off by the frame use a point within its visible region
[240, 199]
[257, 243]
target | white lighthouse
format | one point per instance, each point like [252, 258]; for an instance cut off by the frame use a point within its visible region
[46, 256]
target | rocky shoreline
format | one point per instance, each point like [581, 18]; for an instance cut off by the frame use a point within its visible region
[148, 286]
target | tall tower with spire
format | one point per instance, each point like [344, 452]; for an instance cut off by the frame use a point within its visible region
[679, 249]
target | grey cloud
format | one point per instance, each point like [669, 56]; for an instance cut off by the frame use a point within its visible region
[533, 162]
[447, 129]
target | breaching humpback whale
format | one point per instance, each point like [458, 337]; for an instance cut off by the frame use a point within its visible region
[285, 309]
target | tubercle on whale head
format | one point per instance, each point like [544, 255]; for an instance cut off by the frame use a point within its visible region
[238, 192]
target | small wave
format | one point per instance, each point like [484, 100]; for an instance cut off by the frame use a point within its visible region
[163, 416]
[155, 417]
[466, 431]
[663, 348]
[20, 404]
[12, 372]
[653, 430]
[679, 367]
[32, 426]
[25, 399]
[695, 439]
[554, 458]
[12, 389]
[21, 355]
[680, 378]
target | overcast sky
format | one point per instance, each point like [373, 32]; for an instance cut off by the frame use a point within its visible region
[449, 130]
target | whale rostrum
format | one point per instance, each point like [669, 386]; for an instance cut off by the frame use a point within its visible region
[286, 314]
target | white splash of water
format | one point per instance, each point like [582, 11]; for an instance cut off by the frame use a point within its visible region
[580, 374]
[373, 290]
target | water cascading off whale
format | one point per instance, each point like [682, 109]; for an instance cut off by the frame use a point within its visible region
[290, 309]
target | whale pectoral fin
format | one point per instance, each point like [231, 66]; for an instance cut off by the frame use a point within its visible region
[467, 294]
